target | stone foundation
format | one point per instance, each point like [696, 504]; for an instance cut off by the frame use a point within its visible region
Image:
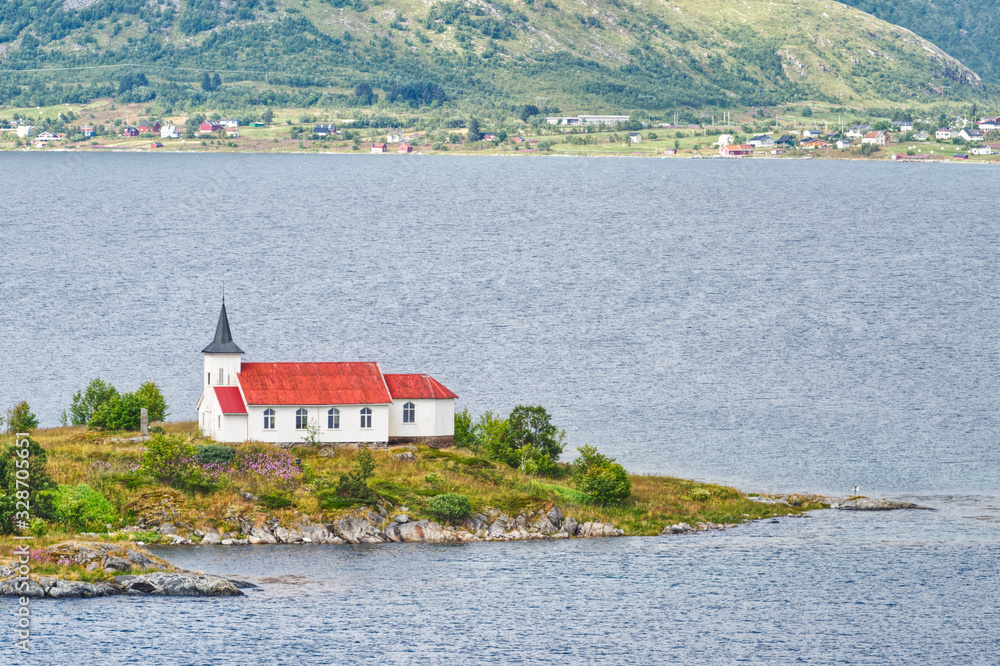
[439, 442]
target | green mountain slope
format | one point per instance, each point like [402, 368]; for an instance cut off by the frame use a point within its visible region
[574, 54]
[967, 29]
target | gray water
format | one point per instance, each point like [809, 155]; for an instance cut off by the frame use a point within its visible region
[782, 326]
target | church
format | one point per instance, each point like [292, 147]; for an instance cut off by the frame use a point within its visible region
[342, 403]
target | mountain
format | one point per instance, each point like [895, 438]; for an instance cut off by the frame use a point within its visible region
[586, 55]
[967, 29]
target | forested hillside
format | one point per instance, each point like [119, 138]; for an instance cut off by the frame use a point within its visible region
[577, 55]
[966, 29]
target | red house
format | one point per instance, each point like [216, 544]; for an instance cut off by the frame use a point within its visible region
[378, 148]
[736, 150]
[405, 148]
[209, 126]
[87, 131]
[156, 144]
[130, 131]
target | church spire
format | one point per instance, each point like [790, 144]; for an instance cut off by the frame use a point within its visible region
[223, 342]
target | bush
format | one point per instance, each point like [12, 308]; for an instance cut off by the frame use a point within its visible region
[273, 501]
[85, 404]
[464, 435]
[354, 485]
[83, 509]
[39, 490]
[20, 419]
[123, 411]
[167, 458]
[807, 112]
[602, 479]
[532, 427]
[215, 454]
[450, 506]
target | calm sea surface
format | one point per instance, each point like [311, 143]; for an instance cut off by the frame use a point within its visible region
[781, 326]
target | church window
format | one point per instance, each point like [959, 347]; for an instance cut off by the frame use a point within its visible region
[409, 413]
[366, 418]
[333, 419]
[268, 419]
[301, 419]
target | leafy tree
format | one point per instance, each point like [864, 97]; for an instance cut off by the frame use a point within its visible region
[490, 433]
[602, 479]
[450, 507]
[38, 492]
[151, 398]
[216, 81]
[527, 111]
[464, 435]
[532, 426]
[20, 419]
[267, 116]
[86, 403]
[474, 133]
[363, 91]
[807, 112]
[206, 82]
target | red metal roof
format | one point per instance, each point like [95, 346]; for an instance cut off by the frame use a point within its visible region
[416, 387]
[313, 384]
[230, 400]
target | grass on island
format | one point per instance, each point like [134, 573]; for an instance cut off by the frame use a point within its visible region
[109, 464]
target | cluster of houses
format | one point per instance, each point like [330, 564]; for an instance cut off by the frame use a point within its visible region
[586, 120]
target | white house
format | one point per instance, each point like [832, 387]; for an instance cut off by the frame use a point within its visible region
[857, 131]
[394, 136]
[812, 134]
[24, 131]
[878, 137]
[635, 137]
[229, 122]
[725, 140]
[341, 403]
[762, 141]
[945, 133]
[843, 144]
[169, 132]
[970, 134]
[984, 150]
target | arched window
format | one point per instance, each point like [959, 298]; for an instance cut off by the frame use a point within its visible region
[333, 419]
[366, 418]
[268, 419]
[301, 419]
[409, 413]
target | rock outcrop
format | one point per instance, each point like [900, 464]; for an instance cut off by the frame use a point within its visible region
[867, 504]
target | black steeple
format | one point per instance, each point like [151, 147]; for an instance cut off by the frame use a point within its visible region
[223, 342]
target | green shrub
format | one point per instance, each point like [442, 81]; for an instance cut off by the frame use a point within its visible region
[123, 411]
[39, 490]
[464, 435]
[20, 419]
[602, 479]
[273, 501]
[354, 485]
[215, 454]
[85, 404]
[450, 506]
[84, 509]
[167, 458]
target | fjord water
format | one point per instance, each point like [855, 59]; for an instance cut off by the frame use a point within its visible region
[778, 325]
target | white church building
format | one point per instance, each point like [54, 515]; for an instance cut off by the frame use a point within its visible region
[344, 403]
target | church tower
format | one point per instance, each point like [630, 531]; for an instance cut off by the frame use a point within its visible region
[222, 357]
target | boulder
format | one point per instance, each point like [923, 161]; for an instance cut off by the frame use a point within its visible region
[179, 585]
[598, 530]
[355, 529]
[63, 589]
[867, 504]
[168, 528]
[555, 516]
[405, 457]
[259, 535]
[140, 559]
[13, 587]
[545, 526]
[568, 528]
[420, 531]
[316, 533]
[112, 564]
[401, 518]
[497, 529]
[211, 539]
